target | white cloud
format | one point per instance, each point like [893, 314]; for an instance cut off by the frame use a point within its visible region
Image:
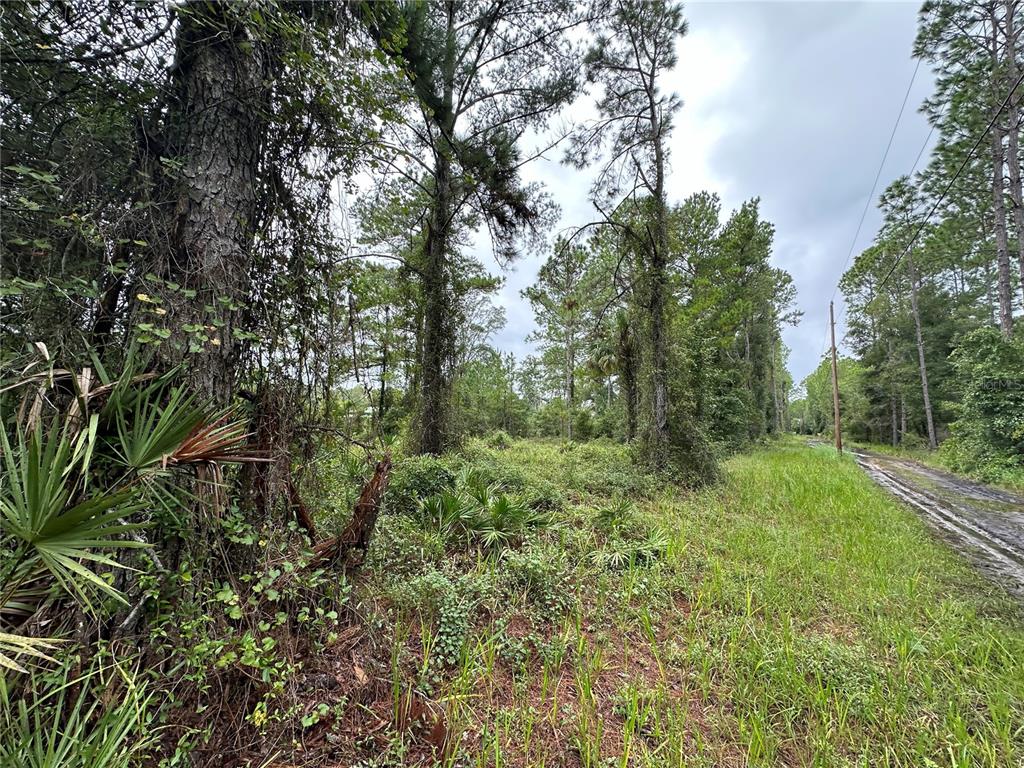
[789, 102]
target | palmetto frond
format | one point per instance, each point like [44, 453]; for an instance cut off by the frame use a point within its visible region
[66, 722]
[221, 438]
[13, 646]
[46, 527]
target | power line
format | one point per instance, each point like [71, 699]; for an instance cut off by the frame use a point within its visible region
[920, 152]
[878, 174]
[874, 185]
[938, 202]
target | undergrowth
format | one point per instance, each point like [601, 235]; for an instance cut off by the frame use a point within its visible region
[793, 615]
[530, 603]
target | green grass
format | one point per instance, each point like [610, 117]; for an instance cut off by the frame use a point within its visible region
[794, 615]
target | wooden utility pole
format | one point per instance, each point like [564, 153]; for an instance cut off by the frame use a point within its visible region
[835, 379]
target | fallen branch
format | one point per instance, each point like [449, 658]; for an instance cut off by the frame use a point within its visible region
[301, 511]
[356, 535]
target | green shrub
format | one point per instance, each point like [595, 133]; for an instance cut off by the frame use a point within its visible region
[988, 435]
[416, 478]
[912, 441]
[99, 718]
[616, 517]
[542, 496]
[479, 513]
[499, 440]
[627, 540]
[542, 576]
[405, 547]
[621, 552]
[448, 601]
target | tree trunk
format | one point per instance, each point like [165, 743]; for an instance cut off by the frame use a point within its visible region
[659, 441]
[219, 121]
[777, 419]
[627, 359]
[433, 426]
[433, 430]
[1014, 159]
[998, 193]
[892, 414]
[381, 399]
[352, 336]
[892, 394]
[903, 416]
[932, 442]
[570, 384]
[1002, 245]
[1017, 195]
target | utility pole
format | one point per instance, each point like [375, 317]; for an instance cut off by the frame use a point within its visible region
[835, 379]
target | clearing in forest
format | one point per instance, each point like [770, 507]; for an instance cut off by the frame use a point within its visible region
[794, 615]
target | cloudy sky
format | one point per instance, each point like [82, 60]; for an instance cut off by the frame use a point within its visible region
[792, 102]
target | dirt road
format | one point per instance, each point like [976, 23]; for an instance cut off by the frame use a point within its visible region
[985, 524]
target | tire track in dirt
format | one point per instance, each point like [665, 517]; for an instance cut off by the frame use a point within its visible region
[985, 524]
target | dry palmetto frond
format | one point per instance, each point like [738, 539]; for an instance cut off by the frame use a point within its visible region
[220, 439]
[12, 646]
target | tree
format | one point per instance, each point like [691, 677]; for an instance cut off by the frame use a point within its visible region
[482, 74]
[562, 299]
[988, 434]
[76, 80]
[975, 49]
[635, 47]
[735, 304]
[817, 413]
[214, 134]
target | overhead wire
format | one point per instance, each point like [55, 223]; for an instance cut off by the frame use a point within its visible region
[949, 185]
[874, 185]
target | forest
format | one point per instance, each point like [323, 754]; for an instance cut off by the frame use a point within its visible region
[934, 300]
[272, 493]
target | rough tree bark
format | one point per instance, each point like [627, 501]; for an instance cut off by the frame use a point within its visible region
[350, 546]
[570, 378]
[892, 414]
[627, 365]
[1017, 196]
[776, 401]
[382, 396]
[903, 416]
[218, 122]
[1014, 158]
[433, 427]
[892, 398]
[659, 438]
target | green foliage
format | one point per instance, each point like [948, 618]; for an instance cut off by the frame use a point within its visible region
[476, 513]
[543, 576]
[987, 437]
[485, 399]
[547, 579]
[499, 439]
[77, 494]
[815, 414]
[61, 718]
[46, 530]
[417, 478]
[627, 541]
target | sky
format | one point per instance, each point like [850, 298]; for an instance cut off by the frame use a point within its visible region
[792, 102]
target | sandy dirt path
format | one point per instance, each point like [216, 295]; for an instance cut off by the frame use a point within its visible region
[984, 523]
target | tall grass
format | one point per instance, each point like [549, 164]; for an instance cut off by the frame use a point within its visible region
[794, 615]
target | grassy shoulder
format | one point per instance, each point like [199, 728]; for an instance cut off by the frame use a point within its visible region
[793, 615]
